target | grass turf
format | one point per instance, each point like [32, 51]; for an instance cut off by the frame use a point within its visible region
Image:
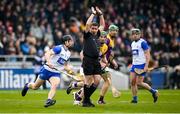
[11, 101]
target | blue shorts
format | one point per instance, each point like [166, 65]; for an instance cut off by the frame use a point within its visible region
[46, 74]
[139, 67]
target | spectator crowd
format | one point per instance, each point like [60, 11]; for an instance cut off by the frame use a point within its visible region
[27, 26]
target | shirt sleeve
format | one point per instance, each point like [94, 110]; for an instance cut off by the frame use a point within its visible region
[99, 33]
[144, 45]
[86, 35]
[57, 49]
[107, 41]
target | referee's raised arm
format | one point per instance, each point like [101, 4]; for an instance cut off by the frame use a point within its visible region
[98, 12]
[101, 17]
[89, 21]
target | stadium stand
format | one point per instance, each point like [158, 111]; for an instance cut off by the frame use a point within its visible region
[27, 26]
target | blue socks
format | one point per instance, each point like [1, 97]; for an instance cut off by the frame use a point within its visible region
[27, 86]
[152, 91]
[135, 98]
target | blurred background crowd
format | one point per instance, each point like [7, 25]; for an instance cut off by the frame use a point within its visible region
[30, 26]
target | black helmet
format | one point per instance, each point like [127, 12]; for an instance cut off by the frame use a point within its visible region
[66, 38]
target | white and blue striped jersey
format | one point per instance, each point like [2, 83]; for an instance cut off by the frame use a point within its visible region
[59, 59]
[138, 48]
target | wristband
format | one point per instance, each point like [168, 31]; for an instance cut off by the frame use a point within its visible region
[100, 14]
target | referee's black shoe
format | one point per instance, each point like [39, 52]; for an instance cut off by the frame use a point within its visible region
[88, 104]
[49, 102]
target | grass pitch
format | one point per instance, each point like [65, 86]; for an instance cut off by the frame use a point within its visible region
[11, 101]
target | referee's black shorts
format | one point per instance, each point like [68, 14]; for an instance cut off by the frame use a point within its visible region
[91, 66]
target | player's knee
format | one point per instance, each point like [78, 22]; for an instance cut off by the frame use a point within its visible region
[133, 83]
[88, 83]
[96, 82]
[139, 83]
[35, 87]
[54, 86]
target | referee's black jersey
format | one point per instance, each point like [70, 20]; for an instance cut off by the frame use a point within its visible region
[91, 45]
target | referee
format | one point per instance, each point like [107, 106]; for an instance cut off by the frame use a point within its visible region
[91, 65]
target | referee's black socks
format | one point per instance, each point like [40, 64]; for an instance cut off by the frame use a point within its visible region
[92, 88]
[88, 91]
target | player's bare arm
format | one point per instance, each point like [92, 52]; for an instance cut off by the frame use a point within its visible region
[147, 55]
[114, 63]
[48, 55]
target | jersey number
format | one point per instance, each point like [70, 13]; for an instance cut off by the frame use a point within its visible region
[61, 61]
[135, 52]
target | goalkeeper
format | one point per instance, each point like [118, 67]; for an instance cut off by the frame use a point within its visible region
[140, 60]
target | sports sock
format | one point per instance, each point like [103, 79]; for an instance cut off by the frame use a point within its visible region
[135, 98]
[28, 85]
[101, 98]
[48, 100]
[92, 88]
[86, 93]
[152, 90]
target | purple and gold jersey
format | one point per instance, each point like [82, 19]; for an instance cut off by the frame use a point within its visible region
[105, 50]
[111, 41]
[111, 45]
